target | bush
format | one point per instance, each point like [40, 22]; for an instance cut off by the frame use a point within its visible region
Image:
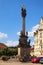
[5, 58]
[5, 51]
[1, 53]
[8, 52]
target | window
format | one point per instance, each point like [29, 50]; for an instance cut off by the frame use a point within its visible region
[41, 41]
[40, 35]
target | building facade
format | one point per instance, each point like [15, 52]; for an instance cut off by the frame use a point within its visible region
[32, 51]
[38, 40]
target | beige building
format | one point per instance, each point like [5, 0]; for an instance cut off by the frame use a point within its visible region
[38, 40]
[32, 51]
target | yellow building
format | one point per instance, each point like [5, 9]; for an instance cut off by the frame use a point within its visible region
[32, 51]
[38, 40]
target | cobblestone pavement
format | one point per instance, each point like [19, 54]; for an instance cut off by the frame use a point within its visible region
[17, 63]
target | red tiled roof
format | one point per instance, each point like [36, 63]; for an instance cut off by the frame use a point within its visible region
[2, 45]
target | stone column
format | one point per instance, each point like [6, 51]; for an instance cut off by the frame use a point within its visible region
[23, 25]
[23, 19]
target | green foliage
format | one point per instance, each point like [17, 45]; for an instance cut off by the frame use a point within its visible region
[16, 51]
[8, 52]
[1, 53]
[5, 51]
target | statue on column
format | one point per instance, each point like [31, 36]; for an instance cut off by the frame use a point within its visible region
[24, 45]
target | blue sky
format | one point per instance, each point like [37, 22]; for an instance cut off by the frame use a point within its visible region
[11, 20]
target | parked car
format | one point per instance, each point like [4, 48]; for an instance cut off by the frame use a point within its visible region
[35, 60]
[41, 60]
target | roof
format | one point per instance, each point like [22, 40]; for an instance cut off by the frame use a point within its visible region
[2, 45]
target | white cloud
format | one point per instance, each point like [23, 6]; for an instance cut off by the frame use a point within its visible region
[32, 43]
[3, 35]
[12, 43]
[15, 43]
[35, 28]
[18, 33]
[31, 33]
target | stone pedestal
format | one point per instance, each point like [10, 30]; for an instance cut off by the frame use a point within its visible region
[24, 47]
